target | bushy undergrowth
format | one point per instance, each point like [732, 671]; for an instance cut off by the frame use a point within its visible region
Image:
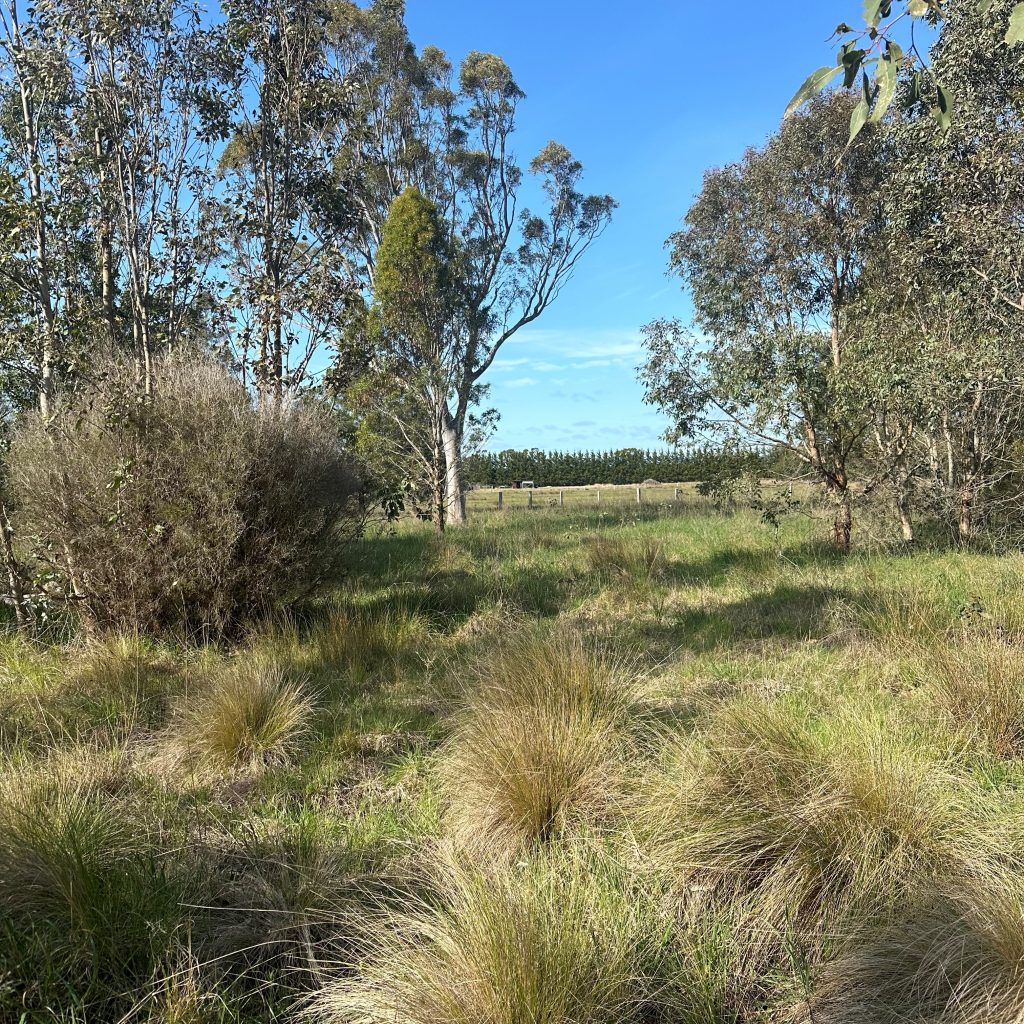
[188, 510]
[492, 779]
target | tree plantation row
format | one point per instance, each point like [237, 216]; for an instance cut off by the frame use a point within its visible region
[625, 466]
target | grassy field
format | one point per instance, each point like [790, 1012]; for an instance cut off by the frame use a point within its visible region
[483, 499]
[619, 765]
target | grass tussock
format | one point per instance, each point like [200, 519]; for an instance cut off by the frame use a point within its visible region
[956, 956]
[85, 901]
[549, 940]
[979, 685]
[538, 750]
[634, 560]
[813, 813]
[245, 718]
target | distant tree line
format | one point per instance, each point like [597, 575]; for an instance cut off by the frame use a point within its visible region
[625, 465]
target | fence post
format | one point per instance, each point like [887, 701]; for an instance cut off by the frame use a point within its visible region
[599, 497]
[529, 498]
[501, 500]
[561, 499]
[676, 497]
[638, 496]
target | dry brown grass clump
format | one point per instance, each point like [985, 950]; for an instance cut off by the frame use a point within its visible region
[548, 940]
[955, 955]
[242, 719]
[636, 560]
[538, 749]
[979, 684]
[815, 814]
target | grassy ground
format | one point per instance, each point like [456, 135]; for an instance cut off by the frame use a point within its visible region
[617, 765]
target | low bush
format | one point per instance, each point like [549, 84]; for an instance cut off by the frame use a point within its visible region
[190, 509]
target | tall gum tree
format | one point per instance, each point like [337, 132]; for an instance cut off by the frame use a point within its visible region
[772, 252]
[416, 123]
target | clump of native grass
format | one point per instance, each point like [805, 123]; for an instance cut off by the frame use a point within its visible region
[539, 745]
[548, 939]
[87, 907]
[814, 813]
[955, 955]
[979, 685]
[244, 718]
[633, 560]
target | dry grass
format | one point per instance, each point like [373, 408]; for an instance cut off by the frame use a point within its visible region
[547, 941]
[954, 956]
[539, 747]
[243, 719]
[635, 560]
[979, 684]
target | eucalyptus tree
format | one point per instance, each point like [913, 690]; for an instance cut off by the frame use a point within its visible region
[283, 64]
[145, 89]
[954, 259]
[886, 43]
[416, 123]
[772, 253]
[45, 257]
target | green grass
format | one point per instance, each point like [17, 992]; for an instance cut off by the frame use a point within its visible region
[586, 764]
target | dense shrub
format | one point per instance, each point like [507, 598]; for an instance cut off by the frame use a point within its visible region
[187, 509]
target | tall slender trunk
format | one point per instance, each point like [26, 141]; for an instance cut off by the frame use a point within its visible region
[44, 294]
[903, 510]
[455, 506]
[14, 577]
[437, 483]
[965, 520]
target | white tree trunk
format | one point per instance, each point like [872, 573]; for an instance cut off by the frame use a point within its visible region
[455, 506]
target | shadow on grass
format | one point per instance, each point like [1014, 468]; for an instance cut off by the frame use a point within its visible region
[787, 613]
[716, 568]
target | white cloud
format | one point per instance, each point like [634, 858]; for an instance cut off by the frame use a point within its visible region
[520, 382]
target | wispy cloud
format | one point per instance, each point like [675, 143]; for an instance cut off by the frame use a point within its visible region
[520, 382]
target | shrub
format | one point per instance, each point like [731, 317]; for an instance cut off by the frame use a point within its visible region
[550, 940]
[245, 718]
[191, 509]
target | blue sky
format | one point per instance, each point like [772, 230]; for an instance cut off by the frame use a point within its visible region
[648, 96]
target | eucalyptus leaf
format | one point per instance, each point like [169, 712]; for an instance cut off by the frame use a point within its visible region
[814, 84]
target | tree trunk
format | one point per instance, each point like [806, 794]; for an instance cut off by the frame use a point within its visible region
[903, 509]
[14, 577]
[437, 485]
[455, 505]
[965, 524]
[842, 524]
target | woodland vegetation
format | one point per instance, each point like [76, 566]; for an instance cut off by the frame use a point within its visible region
[273, 748]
